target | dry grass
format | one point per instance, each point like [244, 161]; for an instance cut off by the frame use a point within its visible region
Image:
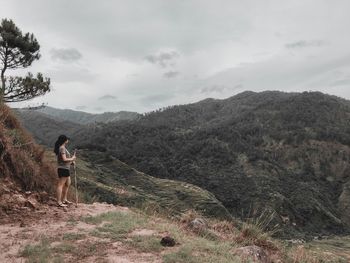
[301, 255]
[21, 158]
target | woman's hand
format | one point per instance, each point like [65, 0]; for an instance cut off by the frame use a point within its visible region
[73, 159]
[74, 155]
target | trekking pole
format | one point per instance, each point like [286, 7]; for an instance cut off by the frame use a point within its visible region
[76, 185]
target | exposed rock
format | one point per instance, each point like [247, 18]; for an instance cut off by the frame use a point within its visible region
[296, 241]
[32, 203]
[18, 199]
[198, 224]
[257, 254]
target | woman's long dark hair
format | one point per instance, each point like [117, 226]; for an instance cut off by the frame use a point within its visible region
[61, 140]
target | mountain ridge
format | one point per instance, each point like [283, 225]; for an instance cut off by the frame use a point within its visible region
[82, 117]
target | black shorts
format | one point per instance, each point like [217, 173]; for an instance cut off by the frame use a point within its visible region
[63, 172]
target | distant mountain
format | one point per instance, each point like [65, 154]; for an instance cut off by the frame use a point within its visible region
[86, 118]
[47, 123]
[256, 152]
[44, 128]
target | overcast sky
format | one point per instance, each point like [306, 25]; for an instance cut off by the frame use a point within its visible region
[142, 55]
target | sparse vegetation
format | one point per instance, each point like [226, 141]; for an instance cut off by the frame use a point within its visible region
[146, 243]
[39, 253]
[73, 236]
[138, 232]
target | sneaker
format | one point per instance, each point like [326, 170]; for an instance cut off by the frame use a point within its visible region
[67, 202]
[60, 204]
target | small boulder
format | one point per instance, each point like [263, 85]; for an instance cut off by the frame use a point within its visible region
[31, 203]
[18, 199]
[255, 253]
[198, 224]
[168, 241]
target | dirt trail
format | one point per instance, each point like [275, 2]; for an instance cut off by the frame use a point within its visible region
[53, 223]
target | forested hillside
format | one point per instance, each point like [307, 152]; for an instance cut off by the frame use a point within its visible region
[257, 152]
[287, 152]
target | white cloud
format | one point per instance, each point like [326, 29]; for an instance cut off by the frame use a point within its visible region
[65, 54]
[171, 74]
[107, 97]
[163, 59]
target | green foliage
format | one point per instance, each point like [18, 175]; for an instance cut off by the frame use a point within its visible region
[73, 236]
[40, 253]
[287, 152]
[268, 150]
[64, 247]
[25, 88]
[18, 50]
[146, 243]
[116, 224]
[183, 255]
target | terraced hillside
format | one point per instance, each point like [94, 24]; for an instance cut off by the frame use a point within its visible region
[104, 178]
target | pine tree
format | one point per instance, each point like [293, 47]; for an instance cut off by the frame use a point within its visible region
[18, 50]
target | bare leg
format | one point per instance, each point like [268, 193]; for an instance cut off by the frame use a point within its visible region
[65, 188]
[60, 184]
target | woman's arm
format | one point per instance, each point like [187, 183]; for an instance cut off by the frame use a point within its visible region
[64, 156]
[65, 159]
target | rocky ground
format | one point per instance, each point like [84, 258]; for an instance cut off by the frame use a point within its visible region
[34, 229]
[53, 228]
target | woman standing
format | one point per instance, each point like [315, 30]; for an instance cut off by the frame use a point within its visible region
[64, 161]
